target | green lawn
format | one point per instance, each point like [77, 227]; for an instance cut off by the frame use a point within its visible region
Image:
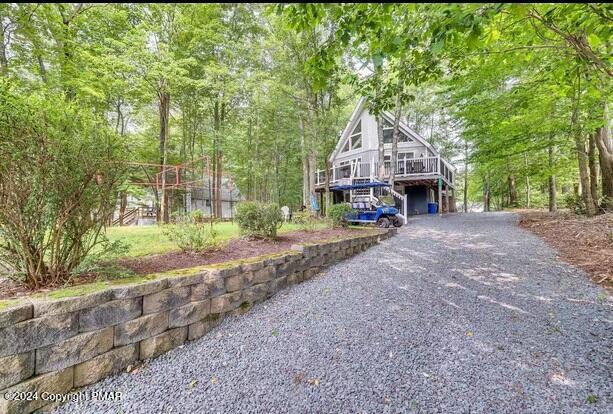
[144, 240]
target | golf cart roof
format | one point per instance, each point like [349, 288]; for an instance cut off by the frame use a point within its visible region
[358, 186]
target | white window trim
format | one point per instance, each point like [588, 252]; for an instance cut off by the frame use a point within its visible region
[350, 139]
[409, 139]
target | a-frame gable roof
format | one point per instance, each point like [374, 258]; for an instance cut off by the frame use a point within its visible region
[355, 117]
[410, 132]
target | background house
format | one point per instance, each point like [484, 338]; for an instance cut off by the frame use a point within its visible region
[140, 208]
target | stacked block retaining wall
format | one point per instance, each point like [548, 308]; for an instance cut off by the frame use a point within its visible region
[49, 347]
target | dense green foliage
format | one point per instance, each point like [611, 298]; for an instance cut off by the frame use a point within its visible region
[519, 91]
[257, 219]
[306, 220]
[517, 94]
[191, 233]
[57, 185]
[182, 81]
[337, 213]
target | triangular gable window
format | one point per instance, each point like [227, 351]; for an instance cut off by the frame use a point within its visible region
[388, 132]
[355, 139]
[345, 147]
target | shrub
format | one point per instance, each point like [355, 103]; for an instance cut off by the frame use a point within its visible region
[191, 234]
[58, 185]
[306, 220]
[256, 219]
[337, 213]
[574, 202]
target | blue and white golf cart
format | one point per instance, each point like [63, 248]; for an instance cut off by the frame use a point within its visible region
[370, 208]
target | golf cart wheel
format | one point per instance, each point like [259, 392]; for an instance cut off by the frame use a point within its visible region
[383, 222]
[396, 222]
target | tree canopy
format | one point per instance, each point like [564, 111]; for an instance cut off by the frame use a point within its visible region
[516, 93]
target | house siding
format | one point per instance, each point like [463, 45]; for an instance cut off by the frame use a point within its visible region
[370, 142]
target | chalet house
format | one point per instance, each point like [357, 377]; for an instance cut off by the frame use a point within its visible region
[422, 176]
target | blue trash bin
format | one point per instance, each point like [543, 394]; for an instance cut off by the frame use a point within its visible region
[432, 208]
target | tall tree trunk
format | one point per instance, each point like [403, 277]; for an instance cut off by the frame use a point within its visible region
[327, 183]
[380, 149]
[306, 181]
[584, 175]
[395, 136]
[4, 63]
[312, 118]
[486, 194]
[582, 159]
[164, 113]
[512, 191]
[527, 180]
[218, 123]
[312, 158]
[553, 204]
[465, 175]
[123, 203]
[604, 142]
[218, 182]
[593, 165]
[250, 178]
[213, 181]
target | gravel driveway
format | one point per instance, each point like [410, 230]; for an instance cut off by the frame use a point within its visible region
[465, 313]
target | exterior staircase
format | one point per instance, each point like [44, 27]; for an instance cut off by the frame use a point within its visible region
[130, 217]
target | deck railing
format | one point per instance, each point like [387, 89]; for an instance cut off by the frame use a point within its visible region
[405, 168]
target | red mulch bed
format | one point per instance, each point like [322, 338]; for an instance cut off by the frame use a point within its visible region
[586, 242]
[235, 249]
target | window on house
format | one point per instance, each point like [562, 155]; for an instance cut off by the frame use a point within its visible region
[355, 139]
[388, 133]
[345, 169]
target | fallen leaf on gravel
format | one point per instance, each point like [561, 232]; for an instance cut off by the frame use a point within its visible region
[298, 378]
[213, 380]
[469, 333]
[314, 381]
[274, 332]
[193, 383]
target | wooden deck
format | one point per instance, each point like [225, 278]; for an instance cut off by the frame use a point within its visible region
[407, 170]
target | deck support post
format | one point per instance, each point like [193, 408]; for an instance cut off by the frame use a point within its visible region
[440, 196]
[447, 198]
[406, 207]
